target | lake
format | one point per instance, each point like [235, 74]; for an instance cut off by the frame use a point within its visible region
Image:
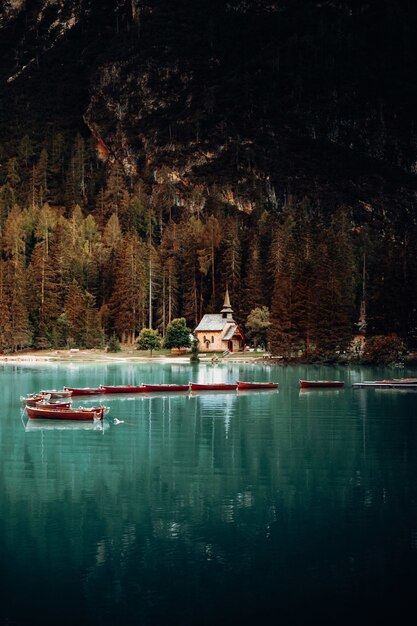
[213, 508]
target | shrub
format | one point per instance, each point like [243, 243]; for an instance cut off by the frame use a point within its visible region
[149, 339]
[113, 344]
[383, 349]
[177, 334]
[194, 358]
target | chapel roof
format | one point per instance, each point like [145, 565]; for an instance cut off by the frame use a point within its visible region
[230, 332]
[212, 322]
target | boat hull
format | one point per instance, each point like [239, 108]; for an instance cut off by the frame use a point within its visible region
[57, 393]
[53, 405]
[122, 389]
[84, 391]
[166, 388]
[34, 399]
[314, 384]
[380, 385]
[248, 385]
[394, 381]
[79, 414]
[213, 387]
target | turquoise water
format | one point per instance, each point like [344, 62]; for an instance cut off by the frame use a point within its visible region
[254, 507]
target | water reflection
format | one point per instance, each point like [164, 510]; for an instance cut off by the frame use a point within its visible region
[208, 508]
[47, 424]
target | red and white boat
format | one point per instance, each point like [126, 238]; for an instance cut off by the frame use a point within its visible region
[53, 405]
[84, 391]
[396, 381]
[312, 384]
[33, 398]
[122, 389]
[80, 413]
[256, 385]
[57, 393]
[213, 386]
[162, 387]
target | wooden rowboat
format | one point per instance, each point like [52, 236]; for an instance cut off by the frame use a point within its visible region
[394, 381]
[256, 385]
[57, 393]
[162, 387]
[213, 386]
[53, 405]
[312, 384]
[384, 385]
[84, 391]
[33, 399]
[122, 389]
[80, 413]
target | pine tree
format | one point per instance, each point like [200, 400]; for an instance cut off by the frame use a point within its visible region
[194, 263]
[230, 264]
[25, 151]
[19, 315]
[168, 259]
[115, 188]
[287, 301]
[15, 234]
[82, 318]
[12, 176]
[7, 200]
[334, 286]
[44, 304]
[127, 303]
[40, 177]
[6, 335]
[253, 295]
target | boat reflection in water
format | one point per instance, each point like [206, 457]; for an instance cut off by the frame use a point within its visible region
[48, 424]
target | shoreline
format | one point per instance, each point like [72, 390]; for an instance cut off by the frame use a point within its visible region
[98, 356]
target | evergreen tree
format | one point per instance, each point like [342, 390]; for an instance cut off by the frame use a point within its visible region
[44, 303]
[82, 317]
[253, 295]
[115, 188]
[7, 200]
[13, 178]
[19, 315]
[230, 264]
[25, 151]
[334, 286]
[258, 324]
[194, 263]
[168, 255]
[6, 335]
[127, 303]
[40, 178]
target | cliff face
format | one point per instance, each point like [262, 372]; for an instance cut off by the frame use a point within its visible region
[257, 96]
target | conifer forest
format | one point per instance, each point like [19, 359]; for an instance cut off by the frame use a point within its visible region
[153, 152]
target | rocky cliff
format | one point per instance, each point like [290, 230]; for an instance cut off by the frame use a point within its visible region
[257, 97]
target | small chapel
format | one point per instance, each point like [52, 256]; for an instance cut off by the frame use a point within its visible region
[218, 332]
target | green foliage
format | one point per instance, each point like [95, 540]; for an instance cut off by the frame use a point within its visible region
[383, 350]
[75, 252]
[113, 344]
[258, 324]
[195, 351]
[149, 339]
[177, 334]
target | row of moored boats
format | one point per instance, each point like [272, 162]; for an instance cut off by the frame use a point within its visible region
[57, 404]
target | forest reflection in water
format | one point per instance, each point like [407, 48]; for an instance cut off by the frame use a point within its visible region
[210, 506]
